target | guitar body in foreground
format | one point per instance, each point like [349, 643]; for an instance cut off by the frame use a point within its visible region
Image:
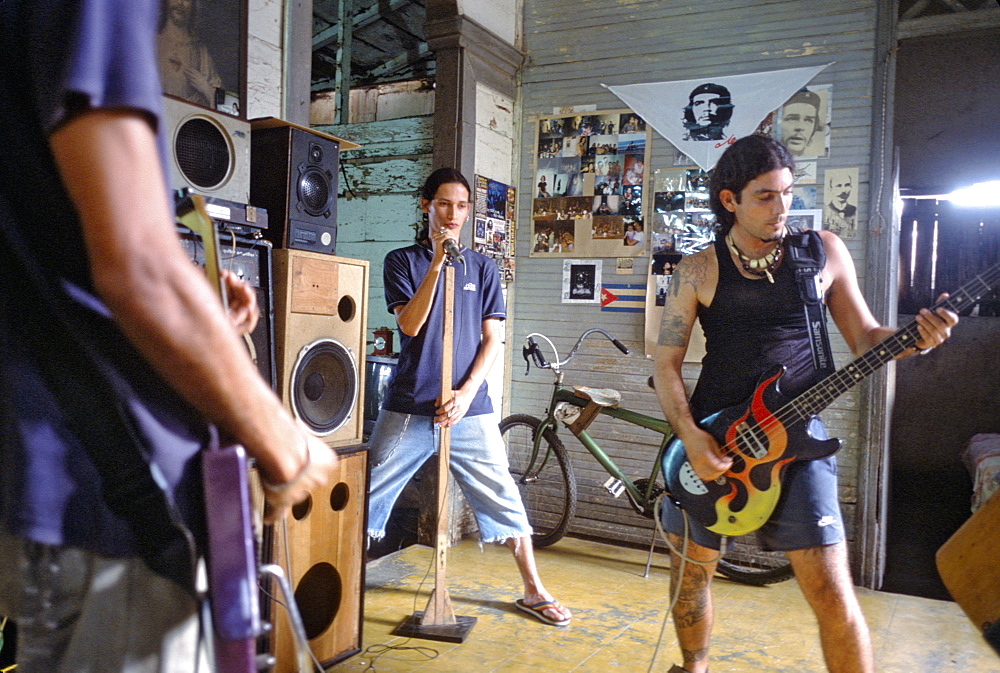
[742, 499]
[769, 431]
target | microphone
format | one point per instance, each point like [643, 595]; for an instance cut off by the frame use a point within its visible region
[453, 252]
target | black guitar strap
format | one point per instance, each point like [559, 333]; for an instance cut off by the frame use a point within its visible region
[805, 255]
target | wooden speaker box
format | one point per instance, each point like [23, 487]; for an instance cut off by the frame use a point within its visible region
[324, 561]
[320, 314]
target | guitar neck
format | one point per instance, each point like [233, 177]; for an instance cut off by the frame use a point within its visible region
[821, 395]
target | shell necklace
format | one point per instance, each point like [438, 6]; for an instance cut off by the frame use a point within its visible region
[759, 267]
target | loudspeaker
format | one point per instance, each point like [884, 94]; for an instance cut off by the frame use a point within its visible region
[323, 556]
[209, 153]
[250, 260]
[294, 176]
[320, 313]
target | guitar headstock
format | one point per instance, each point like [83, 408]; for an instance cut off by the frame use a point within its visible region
[191, 212]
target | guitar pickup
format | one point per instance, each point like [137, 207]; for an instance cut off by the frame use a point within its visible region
[753, 439]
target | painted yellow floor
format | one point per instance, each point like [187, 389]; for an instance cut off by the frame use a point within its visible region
[618, 616]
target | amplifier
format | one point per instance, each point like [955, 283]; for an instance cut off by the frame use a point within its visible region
[250, 260]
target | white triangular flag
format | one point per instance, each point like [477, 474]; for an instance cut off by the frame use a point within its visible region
[703, 116]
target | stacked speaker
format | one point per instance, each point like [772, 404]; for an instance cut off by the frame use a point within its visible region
[311, 346]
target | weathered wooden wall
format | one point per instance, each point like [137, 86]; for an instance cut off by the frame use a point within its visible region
[575, 46]
[377, 209]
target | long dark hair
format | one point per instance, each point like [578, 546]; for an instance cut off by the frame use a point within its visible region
[745, 159]
[441, 176]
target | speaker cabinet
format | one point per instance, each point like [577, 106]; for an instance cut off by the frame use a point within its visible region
[294, 176]
[320, 316]
[323, 556]
[250, 260]
[209, 153]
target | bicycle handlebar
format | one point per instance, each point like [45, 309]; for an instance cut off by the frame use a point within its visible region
[531, 352]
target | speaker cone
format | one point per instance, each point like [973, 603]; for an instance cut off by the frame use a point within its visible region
[324, 385]
[314, 191]
[202, 152]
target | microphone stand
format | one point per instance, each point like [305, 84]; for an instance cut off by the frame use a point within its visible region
[438, 620]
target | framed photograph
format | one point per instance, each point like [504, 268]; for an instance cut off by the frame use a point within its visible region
[202, 53]
[805, 219]
[581, 281]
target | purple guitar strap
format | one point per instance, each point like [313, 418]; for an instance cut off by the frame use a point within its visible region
[804, 250]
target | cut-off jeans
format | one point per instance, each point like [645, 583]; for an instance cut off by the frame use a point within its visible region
[401, 443]
[79, 612]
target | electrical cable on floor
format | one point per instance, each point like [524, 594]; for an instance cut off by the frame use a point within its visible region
[379, 649]
[684, 559]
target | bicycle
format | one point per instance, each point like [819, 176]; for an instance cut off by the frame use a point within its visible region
[540, 464]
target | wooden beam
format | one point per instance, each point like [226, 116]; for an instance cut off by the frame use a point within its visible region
[329, 34]
[947, 24]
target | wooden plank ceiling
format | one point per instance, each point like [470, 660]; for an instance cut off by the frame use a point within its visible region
[383, 40]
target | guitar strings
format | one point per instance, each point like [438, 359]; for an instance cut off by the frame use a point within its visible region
[824, 392]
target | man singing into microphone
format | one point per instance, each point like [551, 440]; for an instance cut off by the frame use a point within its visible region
[406, 432]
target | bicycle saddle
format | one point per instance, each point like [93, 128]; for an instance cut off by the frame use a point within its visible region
[605, 397]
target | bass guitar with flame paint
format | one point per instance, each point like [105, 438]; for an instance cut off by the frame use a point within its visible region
[766, 433]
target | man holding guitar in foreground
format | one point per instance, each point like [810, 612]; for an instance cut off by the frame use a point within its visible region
[743, 291]
[116, 356]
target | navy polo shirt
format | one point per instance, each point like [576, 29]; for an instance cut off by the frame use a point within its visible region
[61, 54]
[417, 382]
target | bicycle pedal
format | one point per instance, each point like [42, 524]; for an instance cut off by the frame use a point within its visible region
[614, 486]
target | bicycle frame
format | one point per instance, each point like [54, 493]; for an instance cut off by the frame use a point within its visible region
[560, 393]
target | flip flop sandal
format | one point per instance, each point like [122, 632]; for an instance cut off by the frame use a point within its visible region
[538, 611]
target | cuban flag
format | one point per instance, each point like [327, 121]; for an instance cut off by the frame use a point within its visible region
[623, 297]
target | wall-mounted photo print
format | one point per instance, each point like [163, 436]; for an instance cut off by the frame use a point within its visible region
[589, 185]
[840, 201]
[201, 48]
[494, 223]
[805, 219]
[804, 124]
[581, 281]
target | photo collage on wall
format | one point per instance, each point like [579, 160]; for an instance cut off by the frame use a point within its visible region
[494, 223]
[590, 186]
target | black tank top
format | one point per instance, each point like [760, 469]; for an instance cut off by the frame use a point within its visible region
[751, 325]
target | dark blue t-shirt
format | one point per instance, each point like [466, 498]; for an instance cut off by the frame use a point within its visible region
[60, 55]
[478, 296]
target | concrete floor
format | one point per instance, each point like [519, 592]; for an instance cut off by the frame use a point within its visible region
[618, 616]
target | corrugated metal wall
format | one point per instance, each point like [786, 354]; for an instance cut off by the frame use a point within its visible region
[573, 46]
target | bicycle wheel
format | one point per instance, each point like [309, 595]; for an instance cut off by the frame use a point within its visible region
[548, 491]
[744, 561]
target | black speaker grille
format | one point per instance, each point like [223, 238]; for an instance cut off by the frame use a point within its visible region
[324, 386]
[314, 191]
[202, 153]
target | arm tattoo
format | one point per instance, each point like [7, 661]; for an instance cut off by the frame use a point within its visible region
[693, 270]
[672, 331]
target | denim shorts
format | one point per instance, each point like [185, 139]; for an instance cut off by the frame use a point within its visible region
[401, 443]
[78, 612]
[807, 514]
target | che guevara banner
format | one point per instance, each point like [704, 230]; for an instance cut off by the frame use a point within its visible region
[701, 117]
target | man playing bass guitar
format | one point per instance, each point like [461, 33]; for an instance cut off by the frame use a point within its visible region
[744, 292]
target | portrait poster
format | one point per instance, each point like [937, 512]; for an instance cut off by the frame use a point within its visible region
[202, 53]
[581, 281]
[591, 180]
[840, 201]
[493, 217]
[703, 116]
[804, 122]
